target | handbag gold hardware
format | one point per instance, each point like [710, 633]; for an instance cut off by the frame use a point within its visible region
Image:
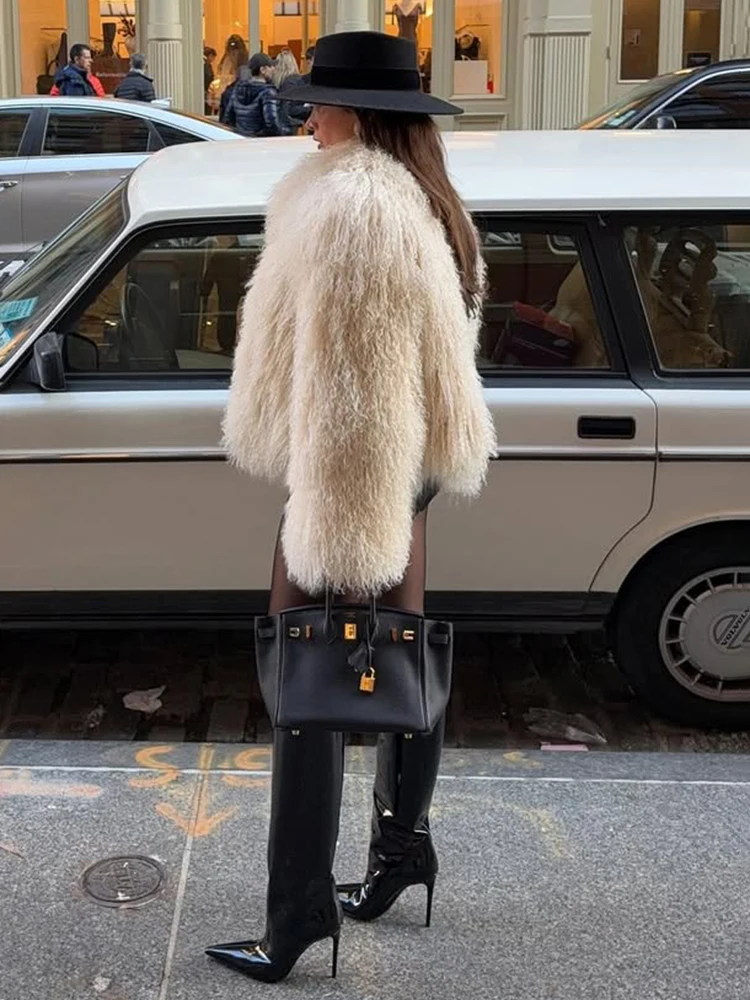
[308, 631]
[367, 681]
[394, 635]
[350, 631]
[408, 635]
[294, 632]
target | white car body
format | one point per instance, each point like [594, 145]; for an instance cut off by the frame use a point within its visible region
[117, 504]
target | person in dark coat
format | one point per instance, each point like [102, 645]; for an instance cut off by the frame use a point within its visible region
[137, 86]
[73, 80]
[252, 104]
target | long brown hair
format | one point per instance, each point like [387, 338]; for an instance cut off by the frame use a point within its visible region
[414, 140]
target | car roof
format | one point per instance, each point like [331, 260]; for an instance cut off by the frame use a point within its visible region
[562, 171]
[143, 109]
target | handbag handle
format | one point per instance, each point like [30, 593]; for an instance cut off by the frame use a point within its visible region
[372, 623]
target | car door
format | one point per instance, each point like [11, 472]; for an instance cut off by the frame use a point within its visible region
[575, 467]
[14, 122]
[122, 477]
[84, 153]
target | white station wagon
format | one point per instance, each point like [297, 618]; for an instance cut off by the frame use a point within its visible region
[616, 359]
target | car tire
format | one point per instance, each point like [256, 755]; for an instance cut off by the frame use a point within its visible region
[681, 625]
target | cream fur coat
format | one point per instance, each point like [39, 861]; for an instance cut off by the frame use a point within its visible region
[354, 376]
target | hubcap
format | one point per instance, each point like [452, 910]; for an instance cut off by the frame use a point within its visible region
[704, 635]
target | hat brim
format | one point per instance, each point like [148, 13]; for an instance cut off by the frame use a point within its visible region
[405, 101]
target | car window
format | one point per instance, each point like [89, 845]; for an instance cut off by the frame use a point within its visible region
[173, 306]
[694, 282]
[79, 133]
[12, 127]
[171, 136]
[538, 312]
[28, 298]
[624, 109]
[721, 102]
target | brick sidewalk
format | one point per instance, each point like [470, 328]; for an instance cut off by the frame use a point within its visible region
[70, 685]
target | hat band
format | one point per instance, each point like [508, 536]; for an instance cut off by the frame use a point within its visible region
[357, 78]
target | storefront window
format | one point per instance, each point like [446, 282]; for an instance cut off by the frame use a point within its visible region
[639, 54]
[701, 35]
[112, 26]
[477, 48]
[225, 46]
[289, 24]
[44, 44]
[412, 19]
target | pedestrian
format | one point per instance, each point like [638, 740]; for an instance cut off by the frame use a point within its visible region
[286, 75]
[137, 86]
[209, 56]
[251, 105]
[76, 79]
[355, 384]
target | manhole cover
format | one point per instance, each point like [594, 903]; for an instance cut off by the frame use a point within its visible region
[123, 881]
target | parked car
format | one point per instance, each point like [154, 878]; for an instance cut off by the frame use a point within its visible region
[58, 155]
[615, 355]
[714, 96]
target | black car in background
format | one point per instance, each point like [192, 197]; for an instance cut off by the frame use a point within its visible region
[714, 96]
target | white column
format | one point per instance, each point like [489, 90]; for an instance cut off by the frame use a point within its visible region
[78, 22]
[353, 15]
[10, 83]
[165, 50]
[192, 55]
[556, 57]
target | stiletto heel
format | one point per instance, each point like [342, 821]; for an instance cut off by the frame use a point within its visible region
[430, 890]
[335, 959]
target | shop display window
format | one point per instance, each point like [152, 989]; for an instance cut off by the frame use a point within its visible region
[293, 25]
[112, 27]
[44, 44]
[225, 47]
[412, 19]
[639, 46]
[701, 36]
[478, 47]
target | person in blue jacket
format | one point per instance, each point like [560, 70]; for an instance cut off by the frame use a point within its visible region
[73, 80]
[251, 104]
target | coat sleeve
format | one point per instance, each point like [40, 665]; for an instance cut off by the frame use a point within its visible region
[356, 420]
[460, 431]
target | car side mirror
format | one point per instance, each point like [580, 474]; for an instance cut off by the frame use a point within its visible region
[664, 121]
[47, 369]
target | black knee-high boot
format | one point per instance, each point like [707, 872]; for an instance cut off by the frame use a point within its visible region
[302, 904]
[401, 850]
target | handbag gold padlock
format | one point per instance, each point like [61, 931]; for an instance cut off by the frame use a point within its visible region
[367, 681]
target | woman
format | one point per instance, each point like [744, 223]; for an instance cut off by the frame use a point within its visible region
[286, 75]
[355, 383]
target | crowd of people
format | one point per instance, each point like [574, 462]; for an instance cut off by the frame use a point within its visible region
[249, 86]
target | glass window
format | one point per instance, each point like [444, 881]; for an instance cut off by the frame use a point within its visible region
[623, 109]
[112, 28]
[225, 47]
[701, 32]
[29, 298]
[12, 127]
[43, 43]
[538, 313]
[412, 19]
[639, 52]
[171, 136]
[173, 306]
[723, 102]
[76, 133]
[477, 47]
[694, 282]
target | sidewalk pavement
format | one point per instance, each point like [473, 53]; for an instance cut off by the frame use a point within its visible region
[565, 876]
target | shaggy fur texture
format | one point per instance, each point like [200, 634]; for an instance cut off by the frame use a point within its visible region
[354, 377]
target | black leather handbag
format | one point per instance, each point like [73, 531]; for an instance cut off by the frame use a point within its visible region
[354, 668]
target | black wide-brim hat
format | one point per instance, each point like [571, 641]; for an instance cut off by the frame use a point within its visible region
[368, 70]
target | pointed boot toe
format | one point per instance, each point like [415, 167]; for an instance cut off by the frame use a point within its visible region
[250, 958]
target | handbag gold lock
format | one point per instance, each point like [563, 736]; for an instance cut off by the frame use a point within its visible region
[367, 681]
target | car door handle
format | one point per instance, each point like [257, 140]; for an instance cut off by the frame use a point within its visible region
[606, 427]
[4, 185]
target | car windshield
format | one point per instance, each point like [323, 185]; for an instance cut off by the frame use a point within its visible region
[621, 112]
[28, 298]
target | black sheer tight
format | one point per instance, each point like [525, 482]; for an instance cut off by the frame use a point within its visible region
[407, 596]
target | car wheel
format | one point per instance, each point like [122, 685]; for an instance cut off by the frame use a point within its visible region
[681, 633]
